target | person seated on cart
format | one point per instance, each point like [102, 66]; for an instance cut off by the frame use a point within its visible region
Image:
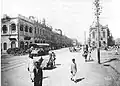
[53, 58]
[51, 61]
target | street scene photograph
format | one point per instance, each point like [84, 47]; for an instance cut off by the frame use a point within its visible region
[60, 43]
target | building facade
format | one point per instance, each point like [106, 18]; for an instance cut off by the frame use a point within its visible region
[104, 36]
[117, 42]
[16, 32]
[21, 31]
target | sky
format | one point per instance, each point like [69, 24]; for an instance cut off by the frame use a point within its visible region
[73, 17]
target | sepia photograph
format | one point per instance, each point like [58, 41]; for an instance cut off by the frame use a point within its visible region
[60, 42]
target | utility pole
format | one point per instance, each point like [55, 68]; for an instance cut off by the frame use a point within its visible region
[97, 14]
[85, 37]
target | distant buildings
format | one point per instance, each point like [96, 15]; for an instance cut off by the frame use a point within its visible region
[21, 31]
[117, 41]
[74, 42]
[105, 36]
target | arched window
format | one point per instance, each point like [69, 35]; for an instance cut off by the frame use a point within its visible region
[26, 45]
[43, 41]
[21, 27]
[22, 44]
[5, 46]
[13, 27]
[35, 41]
[26, 28]
[4, 28]
[30, 29]
[13, 45]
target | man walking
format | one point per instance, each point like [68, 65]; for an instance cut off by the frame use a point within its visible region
[31, 67]
[73, 70]
[38, 74]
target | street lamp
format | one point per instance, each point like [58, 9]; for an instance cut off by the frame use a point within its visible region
[97, 14]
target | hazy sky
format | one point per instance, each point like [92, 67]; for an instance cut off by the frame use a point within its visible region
[73, 17]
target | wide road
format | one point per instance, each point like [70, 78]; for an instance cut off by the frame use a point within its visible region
[14, 71]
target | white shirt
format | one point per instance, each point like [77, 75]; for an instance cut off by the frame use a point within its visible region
[30, 64]
[74, 67]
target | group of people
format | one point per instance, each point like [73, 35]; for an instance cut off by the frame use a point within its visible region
[87, 52]
[52, 59]
[35, 69]
[87, 55]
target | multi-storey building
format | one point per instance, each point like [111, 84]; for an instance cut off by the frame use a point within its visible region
[16, 32]
[21, 31]
[117, 41]
[103, 36]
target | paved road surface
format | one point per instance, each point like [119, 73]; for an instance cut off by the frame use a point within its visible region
[89, 74]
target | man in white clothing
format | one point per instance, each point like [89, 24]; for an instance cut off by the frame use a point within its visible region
[31, 67]
[73, 70]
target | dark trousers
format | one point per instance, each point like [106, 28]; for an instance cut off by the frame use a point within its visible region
[38, 77]
[38, 82]
[85, 57]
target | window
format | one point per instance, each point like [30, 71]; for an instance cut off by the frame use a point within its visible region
[26, 28]
[38, 30]
[13, 45]
[104, 42]
[1, 45]
[21, 27]
[35, 29]
[26, 45]
[22, 44]
[93, 34]
[103, 34]
[30, 30]
[5, 46]
[4, 28]
[13, 27]
[43, 32]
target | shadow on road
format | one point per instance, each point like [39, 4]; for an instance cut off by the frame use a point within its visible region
[49, 68]
[110, 60]
[90, 60]
[45, 77]
[78, 80]
[112, 68]
[57, 64]
[118, 73]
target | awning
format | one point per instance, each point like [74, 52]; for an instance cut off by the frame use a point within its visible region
[11, 39]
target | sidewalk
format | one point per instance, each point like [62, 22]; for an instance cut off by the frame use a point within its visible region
[111, 64]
